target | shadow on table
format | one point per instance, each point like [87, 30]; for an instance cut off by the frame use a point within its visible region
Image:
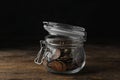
[93, 69]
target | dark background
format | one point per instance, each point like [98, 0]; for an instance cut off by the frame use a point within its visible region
[21, 21]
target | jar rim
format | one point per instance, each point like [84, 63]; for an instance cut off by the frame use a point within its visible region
[59, 37]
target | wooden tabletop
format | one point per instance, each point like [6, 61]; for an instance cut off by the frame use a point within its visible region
[103, 63]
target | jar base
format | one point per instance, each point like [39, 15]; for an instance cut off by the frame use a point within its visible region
[67, 72]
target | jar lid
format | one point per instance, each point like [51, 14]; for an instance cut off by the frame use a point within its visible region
[64, 29]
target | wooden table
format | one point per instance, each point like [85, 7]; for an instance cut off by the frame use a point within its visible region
[103, 63]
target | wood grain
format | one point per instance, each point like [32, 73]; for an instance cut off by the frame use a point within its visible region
[103, 63]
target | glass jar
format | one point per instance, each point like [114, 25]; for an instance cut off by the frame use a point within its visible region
[62, 51]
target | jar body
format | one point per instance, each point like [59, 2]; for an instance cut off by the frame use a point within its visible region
[64, 55]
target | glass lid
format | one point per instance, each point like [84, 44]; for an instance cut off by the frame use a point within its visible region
[64, 29]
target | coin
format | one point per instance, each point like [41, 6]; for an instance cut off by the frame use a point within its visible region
[64, 58]
[64, 67]
[67, 51]
[57, 66]
[56, 54]
[45, 62]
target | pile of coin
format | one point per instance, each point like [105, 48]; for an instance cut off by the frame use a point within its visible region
[62, 60]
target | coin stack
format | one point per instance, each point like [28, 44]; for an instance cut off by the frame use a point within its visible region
[61, 61]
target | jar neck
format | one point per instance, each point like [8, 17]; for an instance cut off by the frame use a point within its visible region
[63, 41]
[64, 46]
